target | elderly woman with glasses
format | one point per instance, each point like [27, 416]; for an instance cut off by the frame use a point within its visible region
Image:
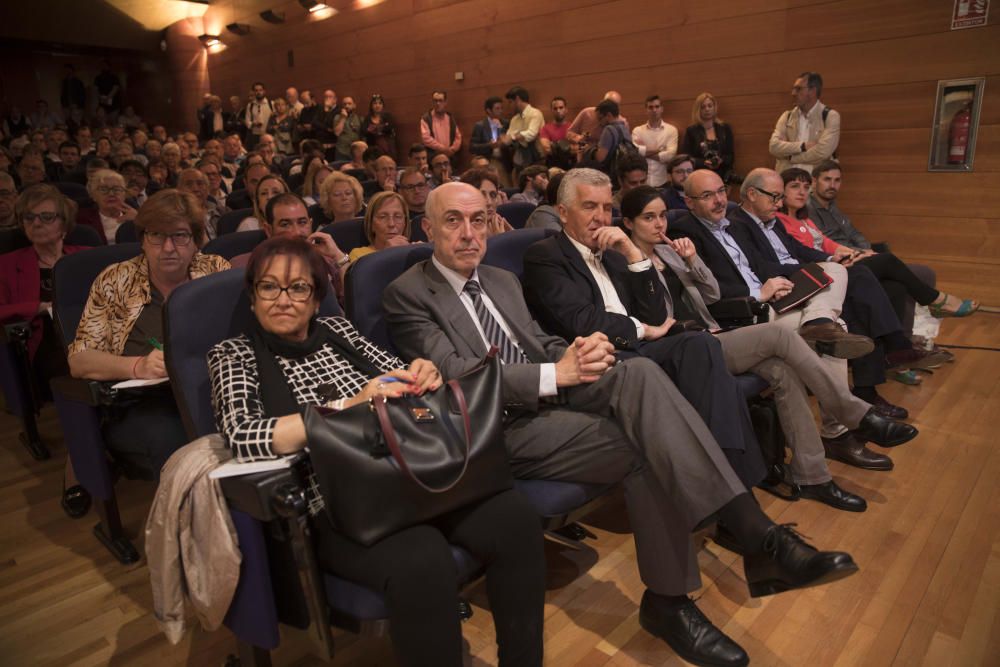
[387, 224]
[107, 189]
[290, 359]
[120, 333]
[46, 216]
[341, 197]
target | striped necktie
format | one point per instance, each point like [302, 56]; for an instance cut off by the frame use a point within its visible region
[509, 352]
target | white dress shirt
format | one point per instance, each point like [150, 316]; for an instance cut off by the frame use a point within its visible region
[612, 302]
[658, 145]
[547, 372]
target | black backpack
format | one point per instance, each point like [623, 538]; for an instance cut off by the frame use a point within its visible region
[624, 150]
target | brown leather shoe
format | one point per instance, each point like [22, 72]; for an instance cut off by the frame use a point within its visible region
[852, 451]
[829, 338]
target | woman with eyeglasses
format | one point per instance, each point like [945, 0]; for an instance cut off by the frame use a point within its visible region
[387, 224]
[107, 189]
[121, 330]
[379, 129]
[486, 181]
[46, 216]
[291, 358]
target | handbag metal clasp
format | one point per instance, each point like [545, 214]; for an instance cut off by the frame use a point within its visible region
[421, 415]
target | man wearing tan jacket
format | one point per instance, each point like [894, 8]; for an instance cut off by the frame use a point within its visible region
[808, 133]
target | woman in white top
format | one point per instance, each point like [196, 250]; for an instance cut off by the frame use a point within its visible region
[107, 189]
[267, 187]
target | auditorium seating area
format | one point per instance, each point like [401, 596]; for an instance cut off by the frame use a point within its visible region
[127, 222]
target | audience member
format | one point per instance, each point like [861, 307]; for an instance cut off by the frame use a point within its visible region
[678, 170]
[137, 183]
[243, 197]
[438, 129]
[533, 181]
[414, 187]
[586, 127]
[357, 162]
[810, 132]
[417, 158]
[555, 130]
[211, 118]
[217, 188]
[109, 89]
[341, 198]
[107, 189]
[656, 141]
[387, 224]
[288, 352]
[708, 139]
[281, 126]
[192, 180]
[258, 113]
[120, 332]
[632, 172]
[488, 185]
[68, 169]
[347, 127]
[486, 135]
[615, 139]
[441, 171]
[8, 196]
[385, 173]
[15, 123]
[522, 132]
[43, 119]
[317, 173]
[379, 127]
[31, 170]
[267, 187]
[546, 216]
[293, 102]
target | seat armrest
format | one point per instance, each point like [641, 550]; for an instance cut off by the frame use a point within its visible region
[261, 494]
[88, 392]
[739, 311]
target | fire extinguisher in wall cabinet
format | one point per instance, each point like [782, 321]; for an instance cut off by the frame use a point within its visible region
[958, 135]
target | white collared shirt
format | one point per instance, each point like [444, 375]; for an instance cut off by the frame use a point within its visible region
[547, 372]
[612, 302]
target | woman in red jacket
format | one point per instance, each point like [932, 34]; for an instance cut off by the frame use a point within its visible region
[897, 279]
[26, 294]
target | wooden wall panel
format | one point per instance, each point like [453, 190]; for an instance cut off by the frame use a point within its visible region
[880, 61]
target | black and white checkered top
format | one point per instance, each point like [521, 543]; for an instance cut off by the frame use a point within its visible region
[239, 412]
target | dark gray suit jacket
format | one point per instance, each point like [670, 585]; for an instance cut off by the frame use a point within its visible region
[427, 319]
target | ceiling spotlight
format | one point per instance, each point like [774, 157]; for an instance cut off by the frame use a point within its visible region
[313, 5]
[209, 40]
[273, 17]
[240, 29]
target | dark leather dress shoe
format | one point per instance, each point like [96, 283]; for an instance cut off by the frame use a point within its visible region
[915, 357]
[887, 409]
[829, 338]
[852, 451]
[884, 431]
[834, 496]
[786, 562]
[75, 501]
[690, 633]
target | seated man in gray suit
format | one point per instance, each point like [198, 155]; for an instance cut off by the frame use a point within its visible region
[573, 414]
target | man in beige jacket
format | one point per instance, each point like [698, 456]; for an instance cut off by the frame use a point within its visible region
[808, 133]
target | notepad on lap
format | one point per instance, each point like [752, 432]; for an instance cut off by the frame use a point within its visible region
[235, 468]
[807, 281]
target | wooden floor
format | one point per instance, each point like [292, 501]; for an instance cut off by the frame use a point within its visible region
[928, 592]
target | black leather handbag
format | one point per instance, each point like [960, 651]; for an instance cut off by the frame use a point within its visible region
[389, 464]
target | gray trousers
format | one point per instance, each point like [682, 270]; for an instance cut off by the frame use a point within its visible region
[780, 356]
[633, 425]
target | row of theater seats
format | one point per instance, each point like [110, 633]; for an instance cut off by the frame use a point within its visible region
[280, 582]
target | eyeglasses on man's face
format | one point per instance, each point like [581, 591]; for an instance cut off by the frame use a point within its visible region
[705, 196]
[110, 189]
[774, 196]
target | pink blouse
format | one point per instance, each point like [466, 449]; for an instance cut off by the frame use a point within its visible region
[806, 233]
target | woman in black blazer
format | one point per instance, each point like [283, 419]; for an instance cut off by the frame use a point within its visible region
[709, 140]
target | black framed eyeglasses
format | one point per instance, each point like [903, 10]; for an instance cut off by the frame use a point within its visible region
[45, 218]
[180, 239]
[269, 291]
[775, 196]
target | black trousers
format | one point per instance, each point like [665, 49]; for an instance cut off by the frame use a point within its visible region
[899, 282]
[694, 361]
[143, 430]
[415, 571]
[868, 311]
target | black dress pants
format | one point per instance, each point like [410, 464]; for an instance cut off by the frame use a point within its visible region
[143, 430]
[694, 361]
[899, 282]
[415, 571]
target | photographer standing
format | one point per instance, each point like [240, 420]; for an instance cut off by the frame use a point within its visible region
[709, 140]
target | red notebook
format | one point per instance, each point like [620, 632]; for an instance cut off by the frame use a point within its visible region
[807, 281]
